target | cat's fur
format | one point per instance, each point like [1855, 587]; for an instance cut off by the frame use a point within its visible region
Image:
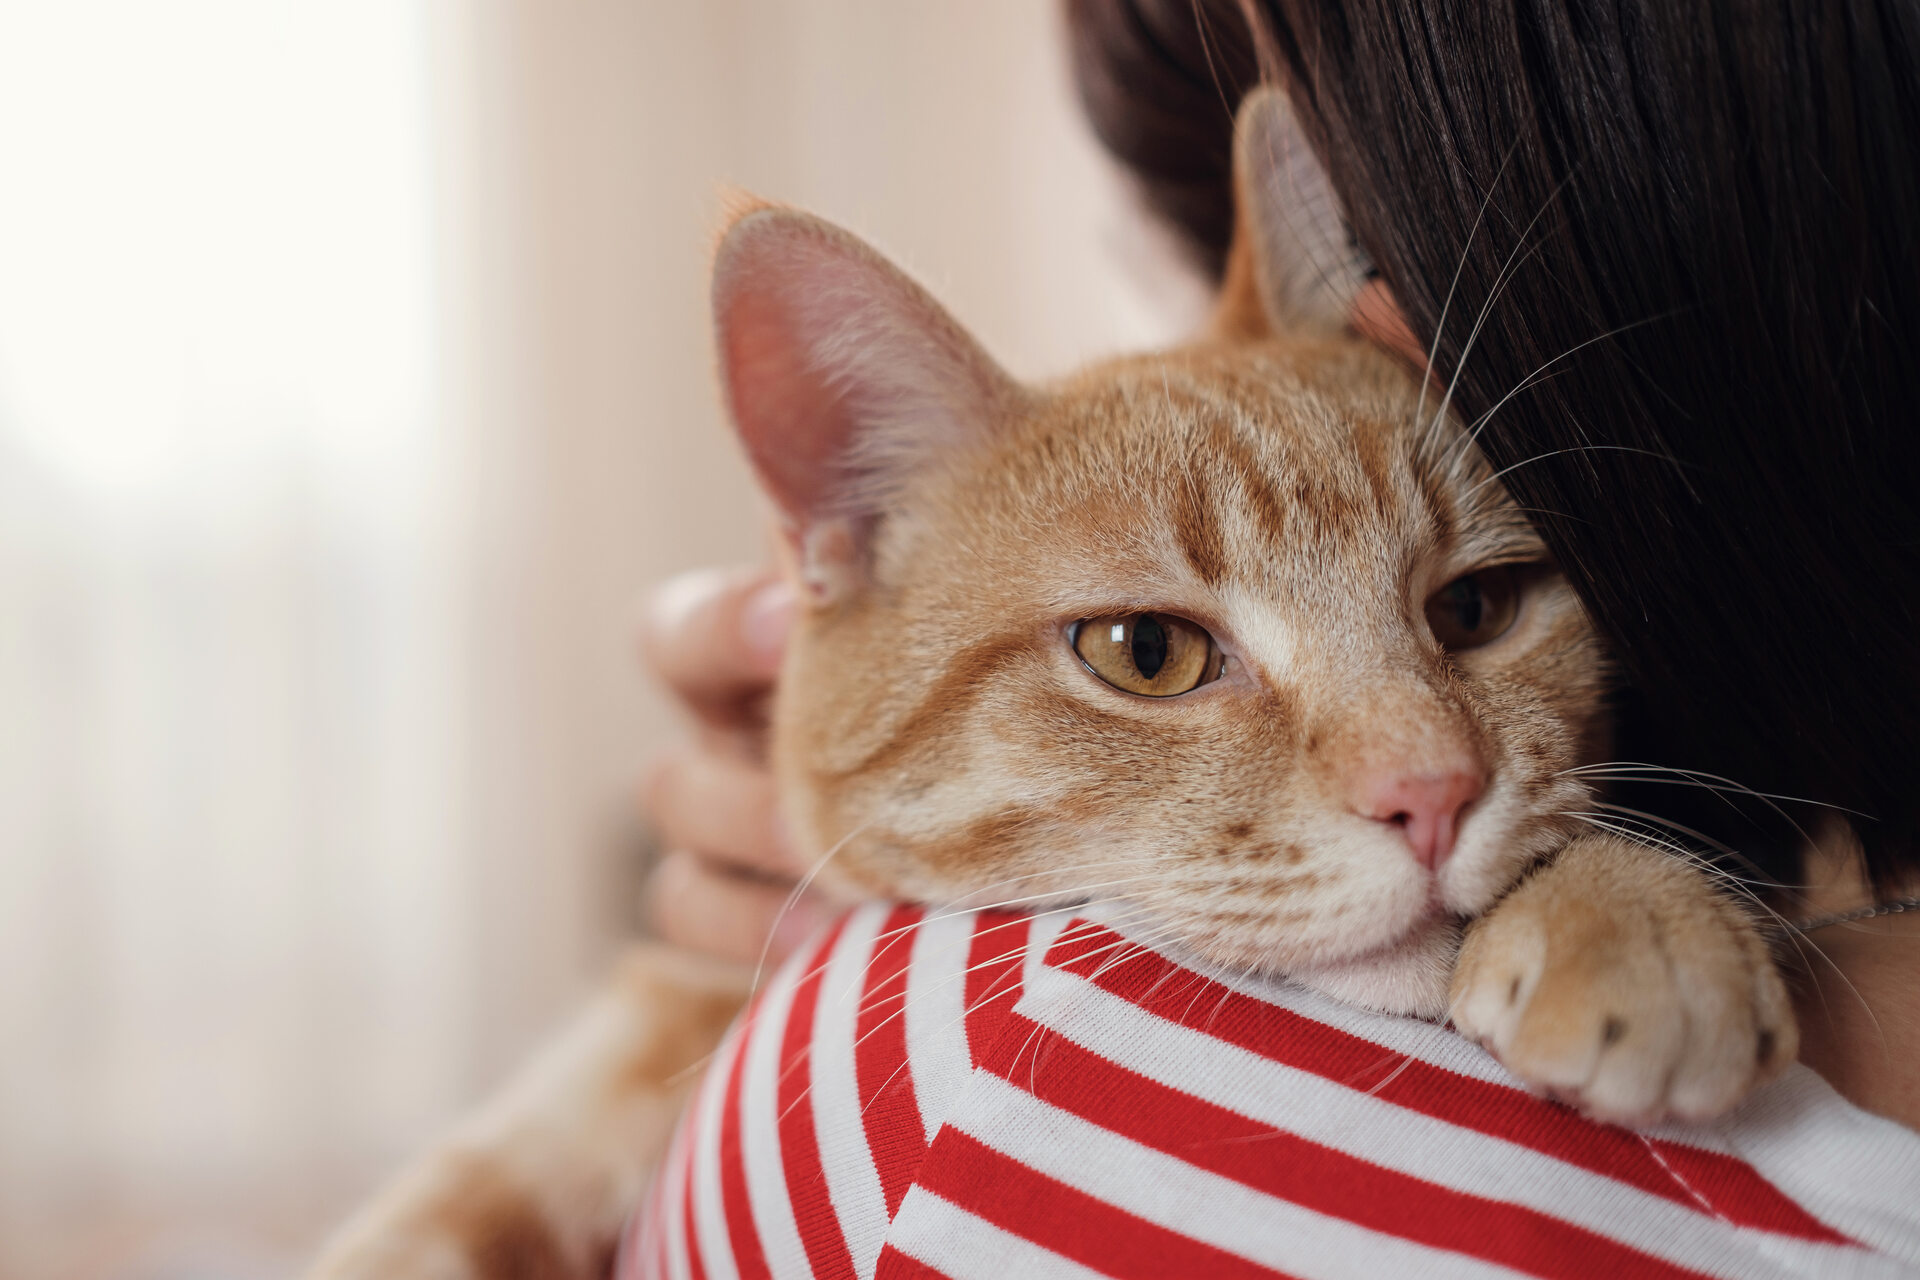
[937, 738]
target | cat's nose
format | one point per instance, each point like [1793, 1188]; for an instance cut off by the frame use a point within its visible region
[1426, 807]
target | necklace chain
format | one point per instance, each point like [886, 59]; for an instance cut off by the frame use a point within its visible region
[1858, 913]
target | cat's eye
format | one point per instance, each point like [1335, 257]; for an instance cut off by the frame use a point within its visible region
[1155, 655]
[1475, 609]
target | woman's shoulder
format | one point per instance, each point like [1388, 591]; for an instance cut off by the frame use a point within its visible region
[920, 1088]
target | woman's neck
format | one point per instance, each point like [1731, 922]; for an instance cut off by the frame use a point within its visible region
[1857, 986]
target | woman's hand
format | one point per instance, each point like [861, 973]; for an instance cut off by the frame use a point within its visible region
[715, 638]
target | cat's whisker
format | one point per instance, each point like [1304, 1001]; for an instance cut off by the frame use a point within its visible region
[1151, 940]
[800, 887]
[967, 1011]
[1226, 994]
[964, 901]
[1194, 979]
[1406, 1060]
[1125, 950]
[1705, 865]
[1004, 956]
[697, 1067]
[801, 1058]
[1655, 820]
[881, 940]
[989, 995]
[904, 999]
[1508, 270]
[1472, 435]
[1652, 837]
[1636, 772]
[1464, 451]
[1453, 287]
[1078, 904]
[1735, 885]
[1146, 942]
[1572, 448]
[1075, 891]
[1783, 929]
[1625, 768]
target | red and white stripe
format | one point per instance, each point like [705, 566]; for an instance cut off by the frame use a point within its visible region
[995, 1096]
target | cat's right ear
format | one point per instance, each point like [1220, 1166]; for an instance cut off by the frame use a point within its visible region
[1292, 265]
[842, 376]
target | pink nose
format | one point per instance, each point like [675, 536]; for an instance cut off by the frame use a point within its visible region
[1425, 808]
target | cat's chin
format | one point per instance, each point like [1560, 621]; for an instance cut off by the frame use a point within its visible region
[1409, 977]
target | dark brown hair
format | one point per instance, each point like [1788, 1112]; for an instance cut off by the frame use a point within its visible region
[1687, 233]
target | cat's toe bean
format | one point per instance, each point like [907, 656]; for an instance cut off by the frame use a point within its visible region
[1602, 1035]
[1744, 1034]
[1776, 1032]
[1719, 1060]
[1553, 1045]
[1494, 982]
[1634, 1070]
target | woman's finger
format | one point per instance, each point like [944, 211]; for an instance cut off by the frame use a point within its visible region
[715, 638]
[697, 904]
[703, 797]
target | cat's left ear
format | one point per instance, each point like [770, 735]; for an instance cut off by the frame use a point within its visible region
[1292, 265]
[842, 376]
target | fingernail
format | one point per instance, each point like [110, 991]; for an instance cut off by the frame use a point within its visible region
[766, 620]
[674, 600]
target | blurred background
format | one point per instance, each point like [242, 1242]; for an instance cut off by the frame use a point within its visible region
[354, 385]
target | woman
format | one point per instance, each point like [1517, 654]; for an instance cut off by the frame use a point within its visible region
[1666, 252]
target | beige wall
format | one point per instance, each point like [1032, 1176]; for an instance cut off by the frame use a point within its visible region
[322, 707]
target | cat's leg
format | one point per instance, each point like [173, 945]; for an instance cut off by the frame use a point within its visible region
[1626, 981]
[537, 1184]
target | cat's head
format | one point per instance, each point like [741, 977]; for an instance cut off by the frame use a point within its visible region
[1231, 637]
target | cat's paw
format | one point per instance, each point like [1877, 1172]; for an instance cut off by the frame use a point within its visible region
[1619, 979]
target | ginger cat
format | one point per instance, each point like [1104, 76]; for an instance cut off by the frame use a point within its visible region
[1243, 637]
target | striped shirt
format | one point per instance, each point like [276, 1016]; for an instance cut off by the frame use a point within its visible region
[984, 1095]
